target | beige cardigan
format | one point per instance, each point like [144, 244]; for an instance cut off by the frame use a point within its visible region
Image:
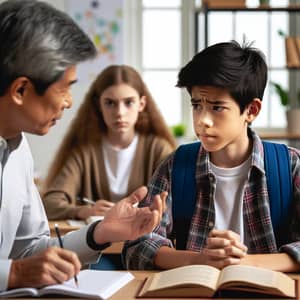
[84, 175]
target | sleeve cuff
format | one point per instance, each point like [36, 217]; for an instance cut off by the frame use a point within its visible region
[292, 250]
[76, 241]
[90, 239]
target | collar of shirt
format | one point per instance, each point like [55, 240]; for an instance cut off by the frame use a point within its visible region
[3, 150]
[257, 157]
[7, 146]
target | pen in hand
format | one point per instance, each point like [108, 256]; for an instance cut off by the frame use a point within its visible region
[86, 200]
[62, 246]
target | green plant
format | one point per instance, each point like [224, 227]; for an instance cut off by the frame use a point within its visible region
[178, 130]
[284, 95]
[281, 33]
[264, 2]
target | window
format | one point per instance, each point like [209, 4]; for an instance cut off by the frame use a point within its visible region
[169, 39]
[161, 54]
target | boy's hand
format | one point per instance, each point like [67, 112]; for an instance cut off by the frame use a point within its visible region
[224, 248]
[125, 221]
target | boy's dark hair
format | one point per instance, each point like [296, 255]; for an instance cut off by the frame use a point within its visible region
[241, 70]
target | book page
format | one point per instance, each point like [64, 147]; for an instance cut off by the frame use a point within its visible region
[263, 279]
[91, 284]
[21, 292]
[186, 276]
[239, 273]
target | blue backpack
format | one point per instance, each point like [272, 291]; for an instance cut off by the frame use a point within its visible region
[279, 182]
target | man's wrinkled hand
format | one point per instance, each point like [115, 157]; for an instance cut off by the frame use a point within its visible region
[126, 221]
[51, 266]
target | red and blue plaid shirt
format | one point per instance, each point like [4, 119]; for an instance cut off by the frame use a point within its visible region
[139, 254]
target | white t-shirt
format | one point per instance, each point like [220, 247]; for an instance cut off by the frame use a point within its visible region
[229, 197]
[118, 166]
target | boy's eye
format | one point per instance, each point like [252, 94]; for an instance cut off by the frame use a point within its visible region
[218, 108]
[196, 106]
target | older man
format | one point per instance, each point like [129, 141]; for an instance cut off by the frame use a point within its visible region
[39, 50]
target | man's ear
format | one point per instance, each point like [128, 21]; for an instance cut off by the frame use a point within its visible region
[252, 110]
[143, 103]
[18, 88]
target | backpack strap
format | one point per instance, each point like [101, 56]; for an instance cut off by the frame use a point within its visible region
[184, 191]
[279, 182]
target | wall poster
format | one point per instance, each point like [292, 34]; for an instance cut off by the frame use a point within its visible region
[102, 20]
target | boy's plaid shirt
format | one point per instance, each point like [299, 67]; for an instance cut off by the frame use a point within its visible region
[139, 254]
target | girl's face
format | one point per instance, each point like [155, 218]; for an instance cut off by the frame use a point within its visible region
[120, 105]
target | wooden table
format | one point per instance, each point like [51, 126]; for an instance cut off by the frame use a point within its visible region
[129, 291]
[64, 227]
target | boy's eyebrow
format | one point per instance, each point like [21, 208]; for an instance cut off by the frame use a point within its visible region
[214, 102]
[193, 100]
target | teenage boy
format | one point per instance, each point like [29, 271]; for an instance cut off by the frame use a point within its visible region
[231, 222]
[39, 50]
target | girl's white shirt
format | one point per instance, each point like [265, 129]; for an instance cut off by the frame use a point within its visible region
[118, 166]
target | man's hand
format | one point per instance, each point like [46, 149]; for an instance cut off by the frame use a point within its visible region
[125, 221]
[51, 266]
[224, 248]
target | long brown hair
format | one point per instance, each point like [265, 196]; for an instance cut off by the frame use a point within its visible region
[89, 117]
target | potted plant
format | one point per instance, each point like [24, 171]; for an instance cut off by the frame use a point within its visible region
[179, 132]
[292, 111]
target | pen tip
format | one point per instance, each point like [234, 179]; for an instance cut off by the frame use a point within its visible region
[76, 281]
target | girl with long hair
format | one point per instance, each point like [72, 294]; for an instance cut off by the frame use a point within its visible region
[114, 144]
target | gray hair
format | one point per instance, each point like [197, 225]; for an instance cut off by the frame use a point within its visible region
[39, 42]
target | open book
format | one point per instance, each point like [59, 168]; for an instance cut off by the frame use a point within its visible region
[91, 284]
[207, 281]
